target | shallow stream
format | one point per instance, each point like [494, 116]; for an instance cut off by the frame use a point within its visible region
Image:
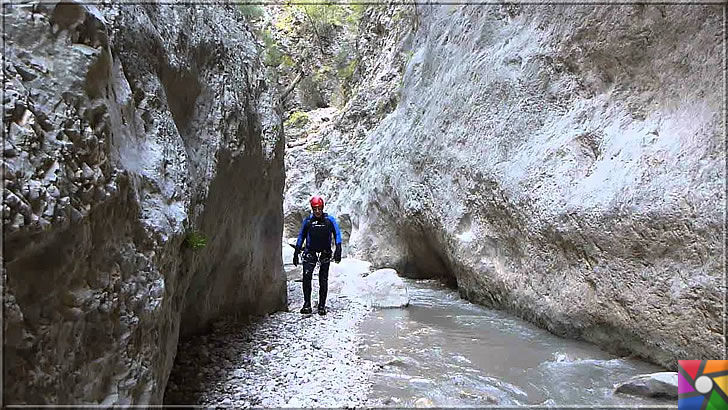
[444, 351]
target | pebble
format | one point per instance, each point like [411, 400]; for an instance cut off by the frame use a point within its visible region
[53, 191]
[279, 360]
[10, 151]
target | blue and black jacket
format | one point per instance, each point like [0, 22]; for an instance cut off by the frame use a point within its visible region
[317, 233]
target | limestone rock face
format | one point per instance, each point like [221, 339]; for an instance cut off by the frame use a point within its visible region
[564, 163]
[126, 129]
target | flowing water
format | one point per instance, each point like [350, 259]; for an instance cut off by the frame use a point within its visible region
[445, 351]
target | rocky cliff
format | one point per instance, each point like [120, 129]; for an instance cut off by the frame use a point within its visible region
[143, 172]
[565, 163]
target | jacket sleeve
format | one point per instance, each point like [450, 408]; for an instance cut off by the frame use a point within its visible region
[337, 232]
[302, 234]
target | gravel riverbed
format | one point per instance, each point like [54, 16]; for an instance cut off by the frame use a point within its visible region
[284, 359]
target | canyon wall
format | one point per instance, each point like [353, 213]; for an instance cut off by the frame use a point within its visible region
[143, 173]
[564, 163]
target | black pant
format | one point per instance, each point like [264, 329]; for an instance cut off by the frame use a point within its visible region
[309, 263]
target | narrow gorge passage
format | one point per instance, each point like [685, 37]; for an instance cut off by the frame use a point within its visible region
[284, 359]
[440, 350]
[560, 164]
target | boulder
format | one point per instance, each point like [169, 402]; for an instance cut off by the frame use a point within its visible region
[347, 278]
[382, 288]
[385, 289]
[662, 384]
[287, 250]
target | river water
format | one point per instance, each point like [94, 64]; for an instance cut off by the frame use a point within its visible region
[444, 351]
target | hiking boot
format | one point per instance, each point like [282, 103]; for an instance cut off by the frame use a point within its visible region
[306, 309]
[321, 310]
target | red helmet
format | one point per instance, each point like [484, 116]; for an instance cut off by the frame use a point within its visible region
[317, 201]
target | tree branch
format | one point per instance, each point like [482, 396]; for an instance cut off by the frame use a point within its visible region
[315, 31]
[292, 86]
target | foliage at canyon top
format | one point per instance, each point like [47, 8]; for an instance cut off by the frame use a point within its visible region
[317, 41]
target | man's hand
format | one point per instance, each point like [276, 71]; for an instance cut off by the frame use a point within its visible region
[295, 258]
[337, 254]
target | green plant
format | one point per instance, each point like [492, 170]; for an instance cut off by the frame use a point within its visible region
[356, 11]
[272, 56]
[408, 56]
[251, 11]
[297, 119]
[195, 240]
[321, 19]
[323, 15]
[285, 21]
[399, 15]
[318, 146]
[320, 75]
[346, 73]
[288, 61]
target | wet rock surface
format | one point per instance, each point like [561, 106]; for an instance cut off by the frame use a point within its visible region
[662, 384]
[284, 359]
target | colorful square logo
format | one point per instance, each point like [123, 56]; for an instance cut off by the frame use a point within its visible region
[702, 384]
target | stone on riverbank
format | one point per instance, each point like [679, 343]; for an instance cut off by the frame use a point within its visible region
[382, 288]
[385, 289]
[662, 384]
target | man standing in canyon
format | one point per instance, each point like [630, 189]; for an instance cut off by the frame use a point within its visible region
[317, 230]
